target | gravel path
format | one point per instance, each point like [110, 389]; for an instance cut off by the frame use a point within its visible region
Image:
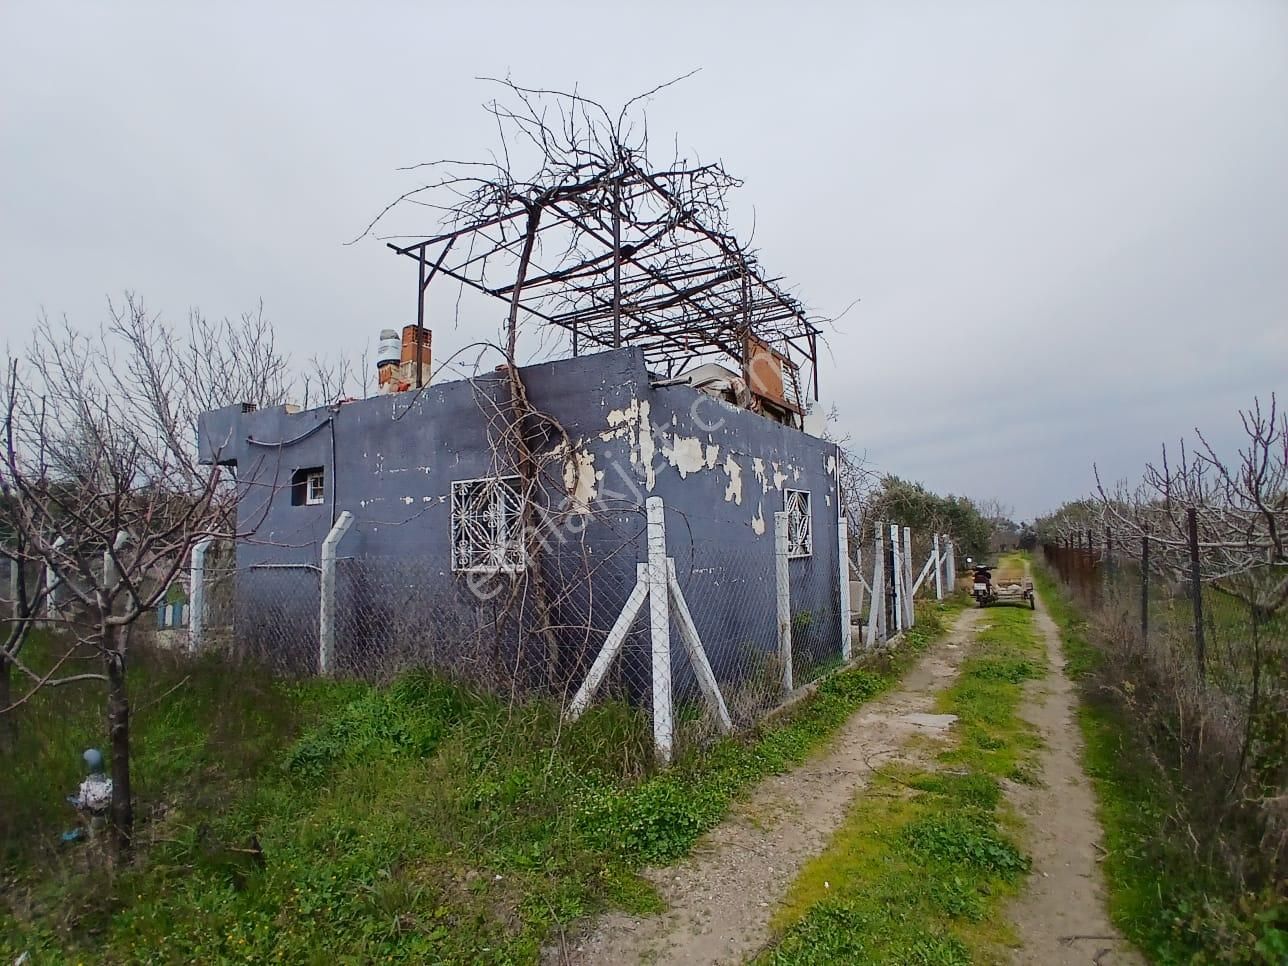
[720, 898]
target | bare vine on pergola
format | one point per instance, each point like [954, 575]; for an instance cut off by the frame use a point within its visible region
[598, 242]
[570, 225]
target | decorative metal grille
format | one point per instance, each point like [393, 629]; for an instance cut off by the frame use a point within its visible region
[800, 537]
[487, 526]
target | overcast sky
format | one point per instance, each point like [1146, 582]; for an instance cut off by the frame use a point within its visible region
[1066, 224]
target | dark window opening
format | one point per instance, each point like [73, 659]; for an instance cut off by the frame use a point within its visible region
[308, 487]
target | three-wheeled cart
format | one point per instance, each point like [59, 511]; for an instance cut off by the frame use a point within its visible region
[1006, 587]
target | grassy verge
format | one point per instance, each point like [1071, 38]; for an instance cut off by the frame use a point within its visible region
[414, 823]
[1174, 907]
[917, 872]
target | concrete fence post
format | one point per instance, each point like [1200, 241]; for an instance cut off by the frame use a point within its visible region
[950, 565]
[939, 570]
[659, 610]
[876, 603]
[52, 581]
[909, 589]
[896, 577]
[326, 584]
[784, 599]
[856, 606]
[843, 555]
[111, 573]
[197, 619]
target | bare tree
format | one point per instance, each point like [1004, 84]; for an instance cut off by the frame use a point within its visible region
[1240, 511]
[102, 493]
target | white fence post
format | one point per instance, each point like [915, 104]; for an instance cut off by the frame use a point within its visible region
[326, 606]
[897, 559]
[910, 590]
[197, 620]
[659, 610]
[856, 606]
[951, 565]
[876, 606]
[697, 654]
[612, 645]
[939, 571]
[843, 552]
[784, 598]
[52, 581]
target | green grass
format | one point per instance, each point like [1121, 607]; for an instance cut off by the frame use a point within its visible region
[1173, 907]
[918, 870]
[417, 822]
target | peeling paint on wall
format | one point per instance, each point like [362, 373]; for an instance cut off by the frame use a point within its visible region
[734, 490]
[647, 449]
[779, 477]
[758, 521]
[758, 467]
[622, 421]
[685, 454]
[633, 423]
[580, 479]
[831, 465]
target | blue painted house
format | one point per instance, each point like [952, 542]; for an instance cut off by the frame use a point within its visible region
[437, 569]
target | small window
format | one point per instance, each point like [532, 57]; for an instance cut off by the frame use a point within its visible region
[308, 487]
[487, 526]
[800, 535]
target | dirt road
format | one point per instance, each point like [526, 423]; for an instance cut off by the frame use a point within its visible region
[1061, 916]
[721, 897]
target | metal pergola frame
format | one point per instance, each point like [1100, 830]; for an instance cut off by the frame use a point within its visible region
[620, 260]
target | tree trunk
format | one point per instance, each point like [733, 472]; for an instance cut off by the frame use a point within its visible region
[118, 724]
[8, 721]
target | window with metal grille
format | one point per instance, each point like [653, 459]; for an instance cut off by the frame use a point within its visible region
[487, 526]
[800, 535]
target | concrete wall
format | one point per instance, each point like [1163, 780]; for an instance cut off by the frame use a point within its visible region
[723, 473]
[391, 460]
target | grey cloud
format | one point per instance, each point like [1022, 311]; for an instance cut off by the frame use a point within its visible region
[1067, 223]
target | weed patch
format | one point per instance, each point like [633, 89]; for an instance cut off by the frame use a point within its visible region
[968, 838]
[419, 822]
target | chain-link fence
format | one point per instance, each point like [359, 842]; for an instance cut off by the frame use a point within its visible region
[1199, 656]
[734, 608]
[535, 630]
[706, 636]
[1202, 629]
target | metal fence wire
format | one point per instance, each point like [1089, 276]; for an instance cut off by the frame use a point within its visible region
[579, 622]
[1200, 628]
[501, 632]
[276, 619]
[1200, 656]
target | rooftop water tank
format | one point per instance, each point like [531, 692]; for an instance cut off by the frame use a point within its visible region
[389, 348]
